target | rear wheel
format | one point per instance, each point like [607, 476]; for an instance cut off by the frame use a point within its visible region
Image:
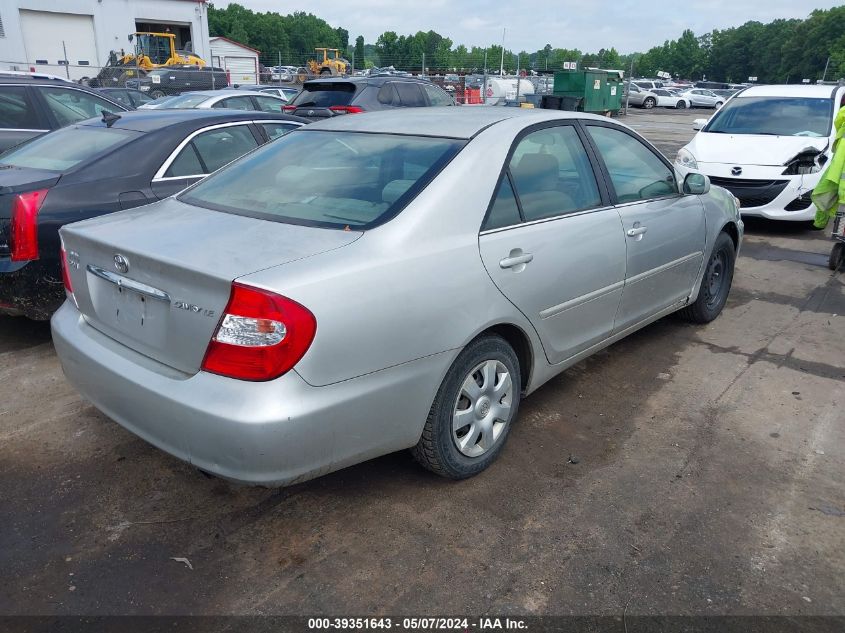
[719, 104]
[649, 103]
[472, 413]
[157, 94]
[325, 71]
[716, 283]
[681, 105]
[837, 256]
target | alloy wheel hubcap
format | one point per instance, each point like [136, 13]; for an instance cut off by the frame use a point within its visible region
[482, 409]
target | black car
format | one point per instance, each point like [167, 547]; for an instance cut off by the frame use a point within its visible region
[127, 96]
[32, 104]
[100, 166]
[322, 98]
[175, 80]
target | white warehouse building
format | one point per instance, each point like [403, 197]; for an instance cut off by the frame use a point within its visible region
[73, 37]
[241, 62]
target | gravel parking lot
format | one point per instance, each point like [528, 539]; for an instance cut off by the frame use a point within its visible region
[684, 470]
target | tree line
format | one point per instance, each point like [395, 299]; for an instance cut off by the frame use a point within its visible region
[774, 52]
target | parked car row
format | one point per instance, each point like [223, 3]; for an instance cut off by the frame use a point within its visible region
[643, 97]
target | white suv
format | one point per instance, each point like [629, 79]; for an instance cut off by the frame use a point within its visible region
[768, 146]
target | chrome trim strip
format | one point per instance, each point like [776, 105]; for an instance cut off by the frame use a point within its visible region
[577, 301]
[22, 129]
[549, 219]
[662, 268]
[129, 284]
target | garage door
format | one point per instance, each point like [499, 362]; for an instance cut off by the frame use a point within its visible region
[44, 32]
[241, 69]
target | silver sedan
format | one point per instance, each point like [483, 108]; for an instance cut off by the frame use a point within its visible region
[404, 287]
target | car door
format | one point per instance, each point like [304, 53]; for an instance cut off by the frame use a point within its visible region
[552, 243]
[664, 230]
[201, 153]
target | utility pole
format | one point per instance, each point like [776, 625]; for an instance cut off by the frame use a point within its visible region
[502, 66]
[484, 85]
[423, 66]
[827, 63]
[517, 79]
[628, 85]
[353, 63]
[67, 63]
[279, 73]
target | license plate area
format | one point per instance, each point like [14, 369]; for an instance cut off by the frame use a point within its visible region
[132, 308]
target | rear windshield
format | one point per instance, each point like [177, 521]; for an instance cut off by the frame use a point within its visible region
[774, 116]
[66, 148]
[349, 180]
[325, 95]
[184, 101]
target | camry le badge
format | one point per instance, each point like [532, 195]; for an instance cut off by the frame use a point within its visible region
[121, 263]
[736, 171]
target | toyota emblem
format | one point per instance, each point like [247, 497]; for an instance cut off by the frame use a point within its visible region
[736, 171]
[310, 112]
[121, 263]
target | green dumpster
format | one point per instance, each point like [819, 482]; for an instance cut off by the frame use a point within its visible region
[594, 90]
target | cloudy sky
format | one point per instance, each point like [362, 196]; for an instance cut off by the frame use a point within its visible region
[629, 25]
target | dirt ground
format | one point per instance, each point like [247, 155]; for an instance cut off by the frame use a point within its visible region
[710, 479]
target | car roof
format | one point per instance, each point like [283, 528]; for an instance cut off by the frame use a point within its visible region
[462, 122]
[791, 90]
[150, 120]
[222, 92]
[375, 80]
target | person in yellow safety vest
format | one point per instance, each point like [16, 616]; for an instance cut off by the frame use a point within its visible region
[829, 194]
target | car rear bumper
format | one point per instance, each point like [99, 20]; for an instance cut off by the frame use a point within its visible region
[269, 433]
[33, 289]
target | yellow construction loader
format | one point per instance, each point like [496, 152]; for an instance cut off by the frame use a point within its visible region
[330, 66]
[151, 50]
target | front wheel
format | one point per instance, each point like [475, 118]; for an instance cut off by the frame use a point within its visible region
[716, 283]
[472, 413]
[681, 105]
[719, 104]
[649, 103]
[157, 94]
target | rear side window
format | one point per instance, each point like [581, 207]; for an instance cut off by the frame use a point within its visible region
[552, 174]
[325, 95]
[269, 104]
[436, 96]
[66, 148]
[70, 106]
[235, 103]
[410, 94]
[387, 95]
[275, 130]
[635, 172]
[16, 111]
[210, 150]
[504, 211]
[359, 181]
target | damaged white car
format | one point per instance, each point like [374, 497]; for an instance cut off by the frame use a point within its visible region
[768, 146]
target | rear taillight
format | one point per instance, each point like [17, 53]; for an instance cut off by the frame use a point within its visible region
[66, 272]
[24, 225]
[346, 109]
[261, 336]
[289, 108]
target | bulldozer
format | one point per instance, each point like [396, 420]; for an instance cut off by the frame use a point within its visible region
[330, 66]
[151, 50]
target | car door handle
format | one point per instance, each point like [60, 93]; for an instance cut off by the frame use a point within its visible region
[637, 230]
[515, 260]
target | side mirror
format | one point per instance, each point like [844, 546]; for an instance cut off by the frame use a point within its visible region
[699, 123]
[696, 184]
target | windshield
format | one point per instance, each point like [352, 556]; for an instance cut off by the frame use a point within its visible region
[350, 180]
[325, 95]
[66, 148]
[182, 101]
[774, 116]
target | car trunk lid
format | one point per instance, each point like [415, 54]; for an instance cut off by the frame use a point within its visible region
[157, 279]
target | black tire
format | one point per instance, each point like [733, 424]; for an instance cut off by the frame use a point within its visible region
[719, 104]
[157, 94]
[715, 284]
[649, 103]
[325, 71]
[681, 105]
[837, 256]
[437, 449]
